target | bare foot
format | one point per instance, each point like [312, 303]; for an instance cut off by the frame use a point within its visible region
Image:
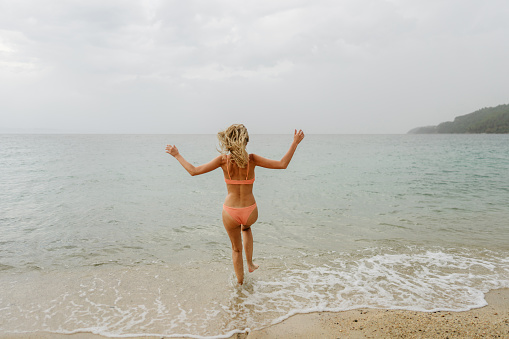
[252, 267]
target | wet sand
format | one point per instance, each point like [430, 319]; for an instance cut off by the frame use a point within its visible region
[491, 321]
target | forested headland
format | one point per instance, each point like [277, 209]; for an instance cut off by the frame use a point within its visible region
[485, 120]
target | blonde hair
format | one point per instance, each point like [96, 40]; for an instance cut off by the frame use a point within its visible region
[233, 140]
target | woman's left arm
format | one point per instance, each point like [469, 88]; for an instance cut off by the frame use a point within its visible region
[205, 168]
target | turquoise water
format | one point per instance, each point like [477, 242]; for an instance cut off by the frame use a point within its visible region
[122, 241]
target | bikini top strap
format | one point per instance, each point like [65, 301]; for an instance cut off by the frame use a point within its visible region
[227, 166]
[247, 166]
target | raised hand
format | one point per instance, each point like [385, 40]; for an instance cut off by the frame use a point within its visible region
[172, 150]
[298, 136]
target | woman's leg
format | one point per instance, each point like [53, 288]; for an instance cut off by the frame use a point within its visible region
[247, 239]
[233, 229]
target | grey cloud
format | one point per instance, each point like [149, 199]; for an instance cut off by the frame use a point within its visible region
[351, 66]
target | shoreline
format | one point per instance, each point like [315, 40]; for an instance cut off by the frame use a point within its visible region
[491, 320]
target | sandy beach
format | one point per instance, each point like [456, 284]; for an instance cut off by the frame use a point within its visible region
[491, 321]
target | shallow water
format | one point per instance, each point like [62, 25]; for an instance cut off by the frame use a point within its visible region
[123, 241]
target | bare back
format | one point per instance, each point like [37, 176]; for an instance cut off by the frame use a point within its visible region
[238, 195]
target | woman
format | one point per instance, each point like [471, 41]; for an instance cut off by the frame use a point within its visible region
[239, 209]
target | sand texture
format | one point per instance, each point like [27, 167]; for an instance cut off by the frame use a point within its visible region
[491, 321]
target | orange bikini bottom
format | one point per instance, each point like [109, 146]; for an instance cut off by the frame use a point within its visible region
[240, 214]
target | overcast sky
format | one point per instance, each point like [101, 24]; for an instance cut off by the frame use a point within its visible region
[354, 66]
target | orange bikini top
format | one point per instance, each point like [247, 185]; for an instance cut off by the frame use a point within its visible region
[237, 182]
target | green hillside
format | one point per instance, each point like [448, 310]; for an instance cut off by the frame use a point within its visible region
[485, 120]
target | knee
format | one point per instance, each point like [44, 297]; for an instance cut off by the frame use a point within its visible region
[236, 250]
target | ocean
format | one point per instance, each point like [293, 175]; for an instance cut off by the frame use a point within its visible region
[109, 234]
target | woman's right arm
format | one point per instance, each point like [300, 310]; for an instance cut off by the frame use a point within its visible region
[285, 160]
[191, 169]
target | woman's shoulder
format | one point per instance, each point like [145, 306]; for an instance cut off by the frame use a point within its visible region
[254, 159]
